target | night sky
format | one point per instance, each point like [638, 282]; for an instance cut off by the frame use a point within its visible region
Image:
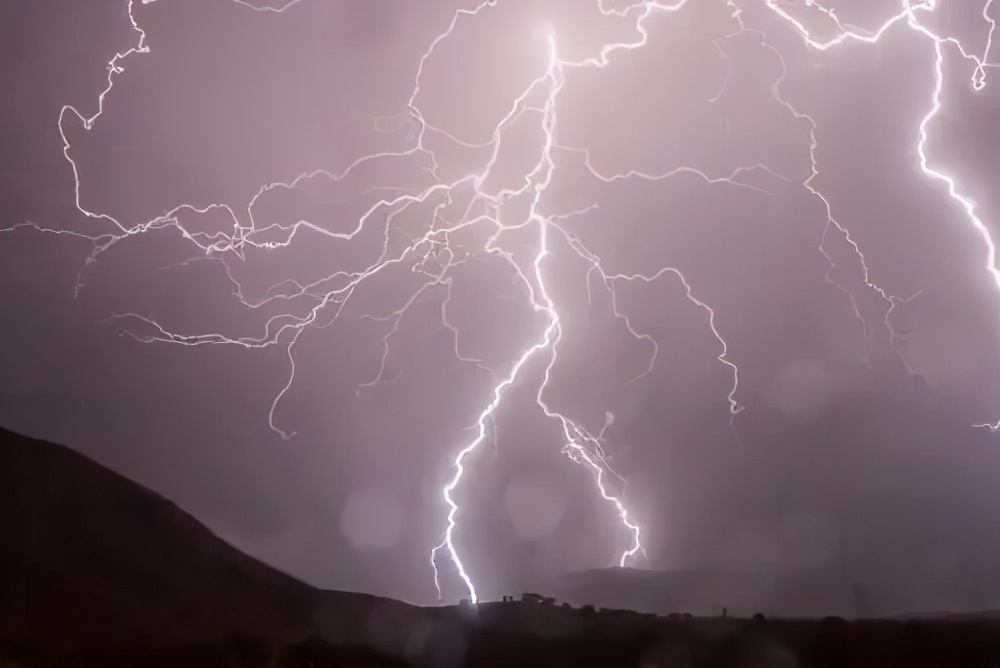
[855, 449]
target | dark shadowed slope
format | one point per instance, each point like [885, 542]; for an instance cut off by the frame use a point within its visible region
[90, 559]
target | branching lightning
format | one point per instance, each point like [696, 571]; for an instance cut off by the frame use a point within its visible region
[909, 15]
[434, 256]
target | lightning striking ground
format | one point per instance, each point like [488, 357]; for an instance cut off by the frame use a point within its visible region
[433, 254]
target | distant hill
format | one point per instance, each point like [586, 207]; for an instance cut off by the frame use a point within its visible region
[706, 593]
[794, 593]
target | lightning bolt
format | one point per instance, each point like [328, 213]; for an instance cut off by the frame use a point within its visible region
[435, 253]
[909, 16]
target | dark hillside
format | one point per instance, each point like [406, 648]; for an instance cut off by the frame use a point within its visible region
[98, 571]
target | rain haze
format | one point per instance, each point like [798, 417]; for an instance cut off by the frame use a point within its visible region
[301, 375]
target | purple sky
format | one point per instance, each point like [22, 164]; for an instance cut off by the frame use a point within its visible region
[853, 452]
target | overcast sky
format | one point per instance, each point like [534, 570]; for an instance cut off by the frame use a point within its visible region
[855, 450]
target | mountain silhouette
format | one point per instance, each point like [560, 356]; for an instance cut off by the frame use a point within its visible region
[91, 561]
[96, 570]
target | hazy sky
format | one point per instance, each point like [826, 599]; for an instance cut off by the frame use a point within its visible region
[855, 450]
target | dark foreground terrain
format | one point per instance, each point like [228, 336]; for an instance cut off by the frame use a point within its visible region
[98, 571]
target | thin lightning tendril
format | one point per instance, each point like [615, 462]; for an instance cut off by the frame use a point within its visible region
[434, 255]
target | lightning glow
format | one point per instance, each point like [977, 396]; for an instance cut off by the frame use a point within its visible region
[434, 255]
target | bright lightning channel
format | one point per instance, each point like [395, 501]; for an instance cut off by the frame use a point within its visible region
[909, 16]
[432, 255]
